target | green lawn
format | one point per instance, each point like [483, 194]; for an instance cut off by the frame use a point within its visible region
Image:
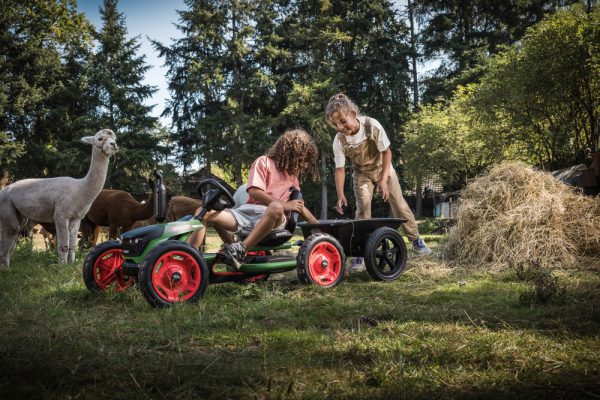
[437, 332]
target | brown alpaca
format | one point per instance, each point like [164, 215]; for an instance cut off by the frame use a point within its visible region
[118, 210]
[86, 232]
[179, 206]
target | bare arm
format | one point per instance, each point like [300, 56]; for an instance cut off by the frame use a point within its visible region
[340, 177]
[308, 216]
[265, 199]
[386, 156]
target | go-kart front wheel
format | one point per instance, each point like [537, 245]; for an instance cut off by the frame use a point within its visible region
[103, 268]
[385, 254]
[321, 261]
[173, 272]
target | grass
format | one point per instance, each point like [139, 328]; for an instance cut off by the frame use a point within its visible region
[437, 332]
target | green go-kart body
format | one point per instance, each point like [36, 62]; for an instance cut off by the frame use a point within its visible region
[167, 269]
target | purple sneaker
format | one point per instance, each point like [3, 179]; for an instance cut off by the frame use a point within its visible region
[420, 247]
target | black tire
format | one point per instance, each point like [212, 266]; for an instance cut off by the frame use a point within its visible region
[173, 272]
[321, 261]
[103, 268]
[385, 254]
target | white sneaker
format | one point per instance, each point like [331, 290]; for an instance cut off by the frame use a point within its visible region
[357, 264]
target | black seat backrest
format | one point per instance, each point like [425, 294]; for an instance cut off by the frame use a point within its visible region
[293, 219]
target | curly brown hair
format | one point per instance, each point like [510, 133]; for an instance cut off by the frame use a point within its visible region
[296, 153]
[340, 103]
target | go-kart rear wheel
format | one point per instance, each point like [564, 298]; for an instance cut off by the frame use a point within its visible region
[103, 268]
[173, 272]
[321, 261]
[385, 254]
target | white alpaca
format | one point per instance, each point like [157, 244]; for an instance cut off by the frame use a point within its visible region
[62, 200]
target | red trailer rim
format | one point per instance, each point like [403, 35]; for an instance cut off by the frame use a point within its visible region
[324, 264]
[107, 271]
[176, 276]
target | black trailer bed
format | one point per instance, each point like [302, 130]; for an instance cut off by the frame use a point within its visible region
[352, 234]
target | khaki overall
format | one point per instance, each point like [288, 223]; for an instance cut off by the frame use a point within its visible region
[367, 166]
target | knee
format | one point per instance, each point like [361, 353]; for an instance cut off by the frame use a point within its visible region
[275, 209]
[209, 217]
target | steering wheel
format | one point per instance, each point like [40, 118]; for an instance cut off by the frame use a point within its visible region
[218, 198]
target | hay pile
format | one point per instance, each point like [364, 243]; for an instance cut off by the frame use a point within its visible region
[519, 216]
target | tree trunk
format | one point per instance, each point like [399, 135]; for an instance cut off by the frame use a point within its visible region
[419, 196]
[413, 50]
[323, 189]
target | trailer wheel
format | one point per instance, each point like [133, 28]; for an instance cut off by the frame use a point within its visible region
[321, 261]
[385, 254]
[173, 272]
[103, 268]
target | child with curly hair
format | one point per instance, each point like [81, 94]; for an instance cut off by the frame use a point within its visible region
[363, 140]
[293, 156]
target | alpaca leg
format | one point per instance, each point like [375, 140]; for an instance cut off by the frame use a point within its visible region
[113, 231]
[10, 226]
[73, 231]
[95, 235]
[86, 228]
[62, 240]
[8, 240]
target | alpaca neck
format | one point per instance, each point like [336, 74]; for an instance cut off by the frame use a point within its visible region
[94, 180]
[148, 208]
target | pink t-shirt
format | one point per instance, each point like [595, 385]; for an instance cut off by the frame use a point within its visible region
[265, 175]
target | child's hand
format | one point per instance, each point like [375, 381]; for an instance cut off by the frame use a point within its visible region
[294, 205]
[342, 202]
[383, 189]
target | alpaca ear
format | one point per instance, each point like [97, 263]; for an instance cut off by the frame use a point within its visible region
[88, 139]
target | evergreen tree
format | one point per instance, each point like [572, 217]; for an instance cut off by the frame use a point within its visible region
[217, 87]
[43, 51]
[120, 94]
[465, 33]
[357, 47]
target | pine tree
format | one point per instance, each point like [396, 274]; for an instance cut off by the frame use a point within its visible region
[120, 94]
[465, 33]
[43, 52]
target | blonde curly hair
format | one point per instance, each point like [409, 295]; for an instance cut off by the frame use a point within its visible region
[295, 152]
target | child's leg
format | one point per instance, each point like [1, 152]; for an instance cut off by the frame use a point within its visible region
[274, 216]
[400, 208]
[221, 220]
[363, 192]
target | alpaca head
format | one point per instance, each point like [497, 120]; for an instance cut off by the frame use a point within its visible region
[105, 140]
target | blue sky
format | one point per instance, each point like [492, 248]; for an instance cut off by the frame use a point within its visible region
[152, 19]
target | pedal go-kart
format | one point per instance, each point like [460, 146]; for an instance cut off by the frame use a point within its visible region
[169, 270]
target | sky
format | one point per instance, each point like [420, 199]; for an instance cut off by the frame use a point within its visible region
[145, 19]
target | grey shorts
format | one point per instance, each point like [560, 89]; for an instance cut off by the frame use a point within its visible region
[247, 216]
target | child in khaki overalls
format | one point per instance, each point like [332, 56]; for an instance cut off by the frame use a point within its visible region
[364, 141]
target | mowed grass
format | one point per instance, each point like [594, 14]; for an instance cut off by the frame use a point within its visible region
[437, 332]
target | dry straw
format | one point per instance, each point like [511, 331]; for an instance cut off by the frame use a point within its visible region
[517, 215]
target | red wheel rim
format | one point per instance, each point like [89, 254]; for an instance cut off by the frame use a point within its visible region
[107, 271]
[324, 264]
[176, 276]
